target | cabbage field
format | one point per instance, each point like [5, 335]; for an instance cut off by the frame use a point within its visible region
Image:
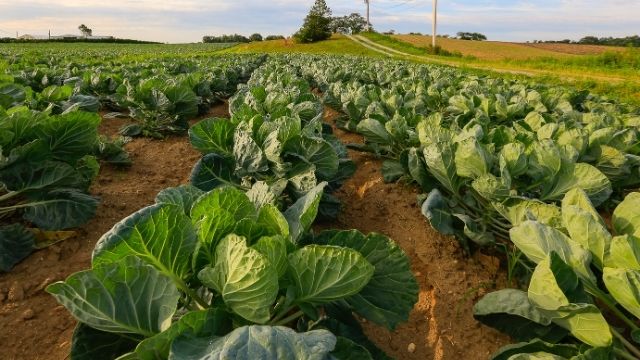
[250, 258]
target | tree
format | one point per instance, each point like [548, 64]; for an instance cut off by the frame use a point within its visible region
[350, 24]
[85, 30]
[471, 36]
[235, 38]
[317, 25]
[357, 23]
[255, 37]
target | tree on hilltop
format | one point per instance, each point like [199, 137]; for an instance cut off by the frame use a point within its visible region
[85, 30]
[317, 24]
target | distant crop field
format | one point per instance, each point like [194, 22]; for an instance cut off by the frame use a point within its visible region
[495, 50]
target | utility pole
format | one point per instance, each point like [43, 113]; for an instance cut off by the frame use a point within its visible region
[434, 23]
[368, 22]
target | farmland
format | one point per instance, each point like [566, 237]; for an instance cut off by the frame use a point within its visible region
[184, 201]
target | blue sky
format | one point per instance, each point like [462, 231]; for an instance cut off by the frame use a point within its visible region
[188, 20]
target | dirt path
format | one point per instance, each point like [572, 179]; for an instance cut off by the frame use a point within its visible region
[441, 325]
[528, 72]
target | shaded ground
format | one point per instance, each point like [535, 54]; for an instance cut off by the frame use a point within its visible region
[34, 326]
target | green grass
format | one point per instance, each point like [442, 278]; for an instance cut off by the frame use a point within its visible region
[336, 45]
[395, 44]
[618, 61]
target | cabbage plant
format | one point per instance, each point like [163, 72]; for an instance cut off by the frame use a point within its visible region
[275, 137]
[583, 301]
[224, 273]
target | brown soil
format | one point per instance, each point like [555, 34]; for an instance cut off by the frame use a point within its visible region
[34, 326]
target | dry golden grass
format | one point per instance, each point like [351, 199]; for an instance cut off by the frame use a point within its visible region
[496, 50]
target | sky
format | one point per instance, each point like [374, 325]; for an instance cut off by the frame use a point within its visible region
[179, 21]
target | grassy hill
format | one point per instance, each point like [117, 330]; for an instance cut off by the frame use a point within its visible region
[336, 45]
[497, 50]
[614, 73]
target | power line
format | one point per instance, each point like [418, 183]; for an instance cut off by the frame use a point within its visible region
[403, 3]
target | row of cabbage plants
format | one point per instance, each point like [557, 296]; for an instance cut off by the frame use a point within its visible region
[161, 94]
[513, 160]
[228, 267]
[50, 146]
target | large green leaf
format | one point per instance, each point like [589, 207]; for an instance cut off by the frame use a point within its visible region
[537, 241]
[322, 274]
[70, 136]
[183, 196]
[374, 131]
[303, 212]
[160, 235]
[626, 217]
[418, 170]
[438, 212]
[213, 171]
[624, 253]
[518, 211]
[577, 197]
[390, 295]
[60, 209]
[544, 160]
[216, 214]
[16, 243]
[580, 175]
[126, 297]
[441, 164]
[624, 286]
[586, 228]
[273, 221]
[210, 322]
[249, 157]
[274, 248]
[213, 136]
[246, 279]
[557, 292]
[11, 95]
[184, 102]
[510, 311]
[39, 176]
[514, 159]
[472, 160]
[262, 194]
[314, 151]
[536, 347]
[348, 350]
[256, 342]
[91, 344]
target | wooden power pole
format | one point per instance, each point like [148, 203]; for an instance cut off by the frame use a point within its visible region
[434, 23]
[368, 22]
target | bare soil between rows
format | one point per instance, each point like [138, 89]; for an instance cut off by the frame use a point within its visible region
[441, 326]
